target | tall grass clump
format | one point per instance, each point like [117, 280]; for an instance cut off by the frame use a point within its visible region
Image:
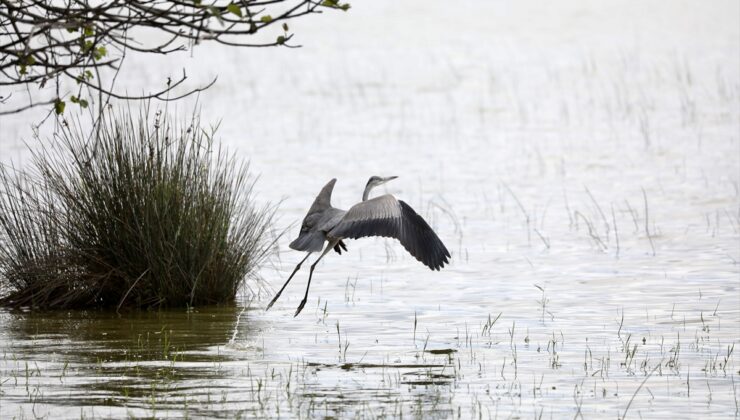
[140, 213]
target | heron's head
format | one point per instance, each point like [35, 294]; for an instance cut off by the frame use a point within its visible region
[374, 181]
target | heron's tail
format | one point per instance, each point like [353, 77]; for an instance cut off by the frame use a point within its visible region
[309, 242]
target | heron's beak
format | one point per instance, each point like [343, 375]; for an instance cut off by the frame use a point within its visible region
[390, 178]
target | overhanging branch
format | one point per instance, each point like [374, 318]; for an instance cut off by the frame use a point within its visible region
[45, 42]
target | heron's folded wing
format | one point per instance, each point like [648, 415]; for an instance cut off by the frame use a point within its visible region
[311, 237]
[388, 217]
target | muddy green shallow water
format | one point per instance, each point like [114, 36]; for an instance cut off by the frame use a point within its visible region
[580, 160]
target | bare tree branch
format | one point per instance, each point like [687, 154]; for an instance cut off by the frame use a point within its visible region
[77, 42]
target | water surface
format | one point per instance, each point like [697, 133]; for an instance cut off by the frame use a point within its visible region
[580, 161]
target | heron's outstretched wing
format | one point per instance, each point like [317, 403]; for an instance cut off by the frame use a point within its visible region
[388, 217]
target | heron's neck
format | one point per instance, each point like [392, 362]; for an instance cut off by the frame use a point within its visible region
[367, 192]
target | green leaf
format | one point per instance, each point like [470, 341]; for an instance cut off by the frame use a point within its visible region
[281, 40]
[88, 31]
[99, 52]
[59, 106]
[334, 4]
[285, 27]
[235, 9]
[215, 12]
[88, 75]
[83, 103]
[74, 99]
[266, 19]
[24, 63]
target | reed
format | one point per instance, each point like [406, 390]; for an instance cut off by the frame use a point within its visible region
[142, 212]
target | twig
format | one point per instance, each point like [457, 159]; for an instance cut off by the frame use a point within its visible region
[526, 215]
[640, 387]
[129, 290]
[544, 240]
[616, 231]
[647, 229]
[591, 230]
[603, 217]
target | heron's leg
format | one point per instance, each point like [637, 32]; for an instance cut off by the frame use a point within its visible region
[295, 270]
[328, 248]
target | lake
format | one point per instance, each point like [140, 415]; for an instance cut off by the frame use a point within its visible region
[581, 161]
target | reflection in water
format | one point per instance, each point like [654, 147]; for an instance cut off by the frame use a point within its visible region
[206, 362]
[136, 360]
[134, 335]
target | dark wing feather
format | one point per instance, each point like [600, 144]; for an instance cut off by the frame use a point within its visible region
[385, 216]
[339, 247]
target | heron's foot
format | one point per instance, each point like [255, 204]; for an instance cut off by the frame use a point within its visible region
[300, 307]
[272, 302]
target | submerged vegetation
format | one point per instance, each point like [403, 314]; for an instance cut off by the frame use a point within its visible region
[144, 212]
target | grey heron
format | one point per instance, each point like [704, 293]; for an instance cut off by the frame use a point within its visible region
[380, 216]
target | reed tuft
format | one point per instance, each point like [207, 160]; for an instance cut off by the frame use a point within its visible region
[143, 212]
